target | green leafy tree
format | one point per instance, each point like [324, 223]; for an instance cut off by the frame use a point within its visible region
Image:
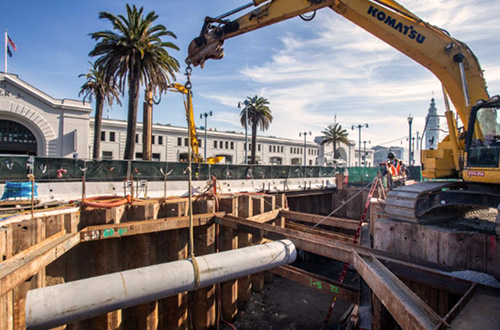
[103, 92]
[133, 53]
[259, 116]
[334, 134]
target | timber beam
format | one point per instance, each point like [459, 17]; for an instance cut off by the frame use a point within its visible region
[319, 232]
[22, 266]
[100, 232]
[319, 283]
[322, 220]
[433, 275]
[29, 262]
[404, 305]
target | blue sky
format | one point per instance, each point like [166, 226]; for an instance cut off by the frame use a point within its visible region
[309, 71]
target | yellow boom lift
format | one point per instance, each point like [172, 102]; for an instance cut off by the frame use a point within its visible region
[469, 154]
[194, 143]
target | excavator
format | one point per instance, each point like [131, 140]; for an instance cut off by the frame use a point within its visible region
[463, 172]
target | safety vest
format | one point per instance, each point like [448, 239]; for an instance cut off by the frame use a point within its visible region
[394, 168]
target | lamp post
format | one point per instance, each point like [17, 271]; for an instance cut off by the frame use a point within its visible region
[364, 150]
[206, 114]
[359, 148]
[246, 132]
[410, 120]
[305, 137]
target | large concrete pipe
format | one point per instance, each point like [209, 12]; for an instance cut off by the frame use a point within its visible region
[61, 304]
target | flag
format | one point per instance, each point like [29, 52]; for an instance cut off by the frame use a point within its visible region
[9, 40]
[9, 52]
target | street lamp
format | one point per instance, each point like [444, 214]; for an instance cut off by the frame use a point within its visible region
[246, 131]
[410, 120]
[305, 136]
[359, 148]
[364, 150]
[206, 114]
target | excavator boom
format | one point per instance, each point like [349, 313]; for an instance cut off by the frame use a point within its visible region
[451, 61]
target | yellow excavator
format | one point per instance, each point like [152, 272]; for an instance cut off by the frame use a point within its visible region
[193, 138]
[468, 155]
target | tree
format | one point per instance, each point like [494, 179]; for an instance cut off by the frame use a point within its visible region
[95, 86]
[335, 134]
[133, 53]
[259, 115]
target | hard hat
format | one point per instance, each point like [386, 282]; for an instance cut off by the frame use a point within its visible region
[390, 155]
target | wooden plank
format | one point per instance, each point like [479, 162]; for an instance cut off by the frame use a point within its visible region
[404, 305]
[323, 220]
[202, 305]
[245, 210]
[40, 214]
[6, 300]
[319, 232]
[265, 217]
[430, 274]
[131, 228]
[16, 270]
[317, 282]
[229, 241]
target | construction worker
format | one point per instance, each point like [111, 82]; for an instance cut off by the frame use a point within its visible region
[395, 171]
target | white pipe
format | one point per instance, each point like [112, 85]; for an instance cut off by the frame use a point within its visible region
[64, 303]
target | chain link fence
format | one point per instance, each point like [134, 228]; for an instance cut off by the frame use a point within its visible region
[18, 168]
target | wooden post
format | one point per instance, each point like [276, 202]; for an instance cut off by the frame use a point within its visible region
[203, 300]
[140, 252]
[258, 278]
[7, 300]
[24, 235]
[229, 241]
[280, 203]
[269, 203]
[244, 283]
[173, 311]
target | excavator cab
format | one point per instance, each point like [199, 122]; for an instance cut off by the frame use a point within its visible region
[483, 143]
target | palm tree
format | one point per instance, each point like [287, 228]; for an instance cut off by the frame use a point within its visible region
[334, 134]
[134, 53]
[95, 86]
[259, 115]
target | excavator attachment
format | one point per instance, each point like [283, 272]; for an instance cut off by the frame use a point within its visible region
[207, 46]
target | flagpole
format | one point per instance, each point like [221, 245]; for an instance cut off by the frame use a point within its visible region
[5, 67]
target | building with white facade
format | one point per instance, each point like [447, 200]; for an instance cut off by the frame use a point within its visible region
[32, 122]
[170, 143]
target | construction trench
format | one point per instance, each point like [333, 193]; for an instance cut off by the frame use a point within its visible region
[408, 275]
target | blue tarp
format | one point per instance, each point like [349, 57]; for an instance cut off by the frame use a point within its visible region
[18, 190]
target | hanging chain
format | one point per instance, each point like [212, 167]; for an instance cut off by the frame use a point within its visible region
[188, 84]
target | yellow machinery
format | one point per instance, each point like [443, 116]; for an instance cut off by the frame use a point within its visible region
[194, 143]
[469, 154]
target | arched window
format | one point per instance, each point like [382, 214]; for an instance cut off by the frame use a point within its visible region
[16, 138]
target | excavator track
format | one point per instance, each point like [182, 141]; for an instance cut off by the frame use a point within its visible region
[438, 200]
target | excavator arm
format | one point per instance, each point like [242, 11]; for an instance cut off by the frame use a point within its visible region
[451, 60]
[188, 105]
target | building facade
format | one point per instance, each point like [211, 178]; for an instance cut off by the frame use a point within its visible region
[32, 122]
[170, 143]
